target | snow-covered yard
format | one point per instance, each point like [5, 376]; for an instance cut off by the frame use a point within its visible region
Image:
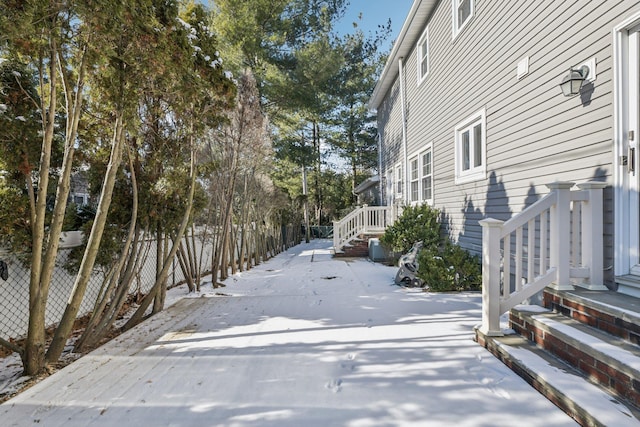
[303, 340]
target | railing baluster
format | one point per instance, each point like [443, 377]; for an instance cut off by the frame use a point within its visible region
[518, 277]
[575, 233]
[544, 236]
[506, 269]
[531, 250]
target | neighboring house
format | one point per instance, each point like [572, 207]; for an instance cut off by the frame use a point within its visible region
[368, 192]
[79, 189]
[472, 119]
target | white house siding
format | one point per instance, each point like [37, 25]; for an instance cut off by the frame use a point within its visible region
[391, 133]
[534, 134]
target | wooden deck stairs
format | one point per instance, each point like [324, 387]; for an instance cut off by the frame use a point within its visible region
[352, 233]
[356, 248]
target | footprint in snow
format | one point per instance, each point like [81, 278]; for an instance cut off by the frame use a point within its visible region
[334, 385]
[349, 366]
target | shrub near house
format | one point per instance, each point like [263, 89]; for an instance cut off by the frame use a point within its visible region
[442, 265]
[449, 268]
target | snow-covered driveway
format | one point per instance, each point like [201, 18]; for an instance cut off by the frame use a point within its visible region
[302, 340]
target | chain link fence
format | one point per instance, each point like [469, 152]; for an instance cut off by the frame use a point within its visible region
[14, 292]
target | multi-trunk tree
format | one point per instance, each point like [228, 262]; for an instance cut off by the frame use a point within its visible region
[106, 56]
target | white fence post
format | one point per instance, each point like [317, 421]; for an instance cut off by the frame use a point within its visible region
[491, 231]
[592, 231]
[561, 235]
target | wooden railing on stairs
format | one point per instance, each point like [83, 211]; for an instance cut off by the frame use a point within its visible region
[363, 220]
[555, 242]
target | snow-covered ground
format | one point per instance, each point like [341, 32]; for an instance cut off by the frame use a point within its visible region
[302, 340]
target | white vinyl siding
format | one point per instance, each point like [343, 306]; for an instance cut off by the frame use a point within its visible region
[423, 56]
[470, 149]
[533, 134]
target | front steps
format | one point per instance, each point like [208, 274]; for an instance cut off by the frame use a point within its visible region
[582, 352]
[357, 248]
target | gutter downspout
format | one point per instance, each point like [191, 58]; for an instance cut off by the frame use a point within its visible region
[405, 196]
[382, 201]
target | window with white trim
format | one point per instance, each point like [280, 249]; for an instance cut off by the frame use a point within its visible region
[470, 149]
[462, 14]
[389, 187]
[399, 181]
[423, 56]
[426, 176]
[415, 181]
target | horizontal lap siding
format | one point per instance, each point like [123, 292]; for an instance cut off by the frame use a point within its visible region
[390, 128]
[535, 135]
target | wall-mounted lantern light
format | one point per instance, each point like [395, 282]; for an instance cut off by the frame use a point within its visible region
[572, 82]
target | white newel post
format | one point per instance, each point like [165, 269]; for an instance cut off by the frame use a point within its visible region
[366, 223]
[491, 231]
[336, 235]
[592, 232]
[561, 235]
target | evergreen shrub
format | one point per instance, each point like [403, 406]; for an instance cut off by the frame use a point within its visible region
[443, 266]
[449, 268]
[416, 224]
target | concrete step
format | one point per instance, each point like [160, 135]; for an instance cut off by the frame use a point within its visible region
[615, 313]
[604, 359]
[568, 388]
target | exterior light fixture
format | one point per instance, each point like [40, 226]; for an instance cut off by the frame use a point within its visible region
[572, 82]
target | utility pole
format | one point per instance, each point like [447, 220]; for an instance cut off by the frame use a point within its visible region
[306, 204]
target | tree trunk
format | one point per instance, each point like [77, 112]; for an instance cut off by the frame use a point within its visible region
[184, 266]
[161, 290]
[146, 301]
[306, 204]
[33, 358]
[88, 260]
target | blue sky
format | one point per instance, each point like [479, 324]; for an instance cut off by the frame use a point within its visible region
[374, 13]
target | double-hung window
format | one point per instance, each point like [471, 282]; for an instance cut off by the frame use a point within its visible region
[426, 176]
[389, 187]
[415, 180]
[470, 149]
[462, 14]
[423, 56]
[399, 181]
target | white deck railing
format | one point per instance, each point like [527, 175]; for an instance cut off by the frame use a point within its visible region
[363, 220]
[555, 242]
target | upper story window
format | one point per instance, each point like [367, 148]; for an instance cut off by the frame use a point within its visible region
[470, 149]
[462, 14]
[423, 56]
